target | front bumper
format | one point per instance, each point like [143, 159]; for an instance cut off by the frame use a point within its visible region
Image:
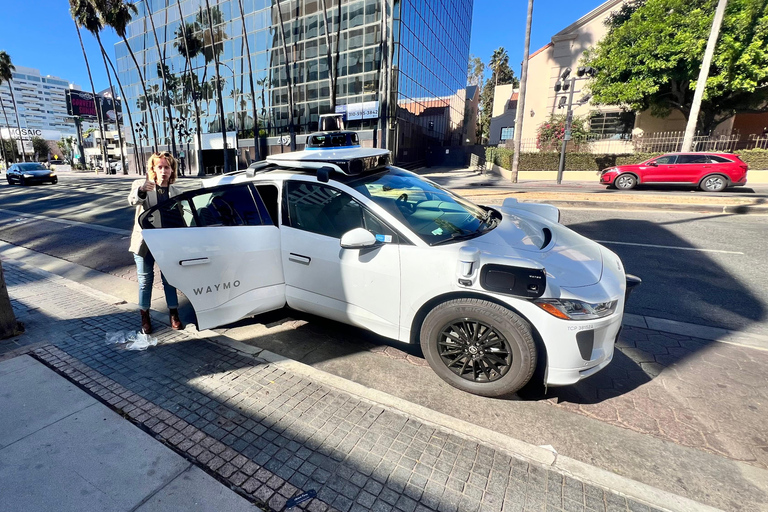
[608, 177]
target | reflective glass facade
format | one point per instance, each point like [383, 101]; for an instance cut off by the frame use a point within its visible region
[420, 64]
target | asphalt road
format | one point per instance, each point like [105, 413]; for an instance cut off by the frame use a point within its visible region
[708, 269]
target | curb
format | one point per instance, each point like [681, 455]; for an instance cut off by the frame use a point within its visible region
[626, 487]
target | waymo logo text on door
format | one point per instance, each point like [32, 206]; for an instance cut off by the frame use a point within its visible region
[216, 288]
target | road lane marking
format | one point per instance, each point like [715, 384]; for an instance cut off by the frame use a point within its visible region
[669, 247]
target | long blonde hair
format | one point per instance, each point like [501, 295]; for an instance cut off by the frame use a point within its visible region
[171, 161]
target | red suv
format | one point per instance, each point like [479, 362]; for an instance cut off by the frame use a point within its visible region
[712, 172]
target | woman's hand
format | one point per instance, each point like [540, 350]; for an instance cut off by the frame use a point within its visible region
[147, 186]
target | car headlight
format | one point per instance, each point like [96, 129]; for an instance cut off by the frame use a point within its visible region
[610, 169]
[570, 309]
[29, 175]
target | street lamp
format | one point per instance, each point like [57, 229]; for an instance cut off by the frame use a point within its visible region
[569, 85]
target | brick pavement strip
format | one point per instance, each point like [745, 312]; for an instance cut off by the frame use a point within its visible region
[271, 434]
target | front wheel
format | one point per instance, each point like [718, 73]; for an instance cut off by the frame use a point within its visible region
[625, 182]
[714, 183]
[54, 181]
[22, 181]
[479, 347]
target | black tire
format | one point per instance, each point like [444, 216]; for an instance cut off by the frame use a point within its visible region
[449, 338]
[22, 181]
[8, 178]
[713, 183]
[54, 181]
[625, 181]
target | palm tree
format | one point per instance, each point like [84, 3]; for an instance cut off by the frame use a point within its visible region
[118, 15]
[291, 129]
[6, 75]
[8, 125]
[166, 97]
[218, 85]
[190, 47]
[250, 79]
[130, 117]
[498, 59]
[95, 27]
[83, 14]
[332, 62]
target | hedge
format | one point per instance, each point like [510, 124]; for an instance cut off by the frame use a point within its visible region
[549, 161]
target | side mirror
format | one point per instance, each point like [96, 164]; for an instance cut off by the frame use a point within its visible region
[358, 238]
[651, 164]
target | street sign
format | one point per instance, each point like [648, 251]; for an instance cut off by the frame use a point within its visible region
[181, 154]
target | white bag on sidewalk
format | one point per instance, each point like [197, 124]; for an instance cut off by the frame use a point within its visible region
[130, 340]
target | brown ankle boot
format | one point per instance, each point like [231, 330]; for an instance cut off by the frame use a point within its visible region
[176, 324]
[146, 324]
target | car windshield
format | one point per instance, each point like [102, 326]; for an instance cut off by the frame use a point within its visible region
[431, 212]
[31, 167]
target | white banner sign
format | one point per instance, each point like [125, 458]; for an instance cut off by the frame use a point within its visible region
[29, 133]
[354, 111]
[28, 148]
[370, 110]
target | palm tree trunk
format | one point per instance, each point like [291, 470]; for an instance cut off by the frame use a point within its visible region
[329, 58]
[291, 129]
[18, 122]
[165, 98]
[114, 105]
[146, 94]
[253, 91]
[200, 168]
[5, 114]
[95, 99]
[130, 117]
[218, 87]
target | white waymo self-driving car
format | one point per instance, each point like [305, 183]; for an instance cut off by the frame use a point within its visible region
[491, 294]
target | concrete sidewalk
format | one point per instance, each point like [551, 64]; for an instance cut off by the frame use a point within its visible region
[266, 428]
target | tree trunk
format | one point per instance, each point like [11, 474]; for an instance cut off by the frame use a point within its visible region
[18, 122]
[130, 119]
[165, 98]
[5, 114]
[253, 91]
[146, 94]
[95, 100]
[114, 105]
[291, 128]
[218, 88]
[8, 324]
[195, 92]
[329, 58]
[521, 98]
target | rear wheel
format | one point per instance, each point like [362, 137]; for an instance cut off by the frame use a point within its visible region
[479, 347]
[713, 183]
[625, 181]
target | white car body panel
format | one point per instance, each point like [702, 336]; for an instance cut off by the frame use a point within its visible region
[382, 289]
[227, 273]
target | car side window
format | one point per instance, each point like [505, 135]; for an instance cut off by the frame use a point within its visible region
[665, 160]
[327, 211]
[220, 206]
[718, 159]
[693, 159]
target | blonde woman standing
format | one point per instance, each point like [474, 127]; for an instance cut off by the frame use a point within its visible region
[158, 186]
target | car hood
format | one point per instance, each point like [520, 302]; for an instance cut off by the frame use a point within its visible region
[37, 172]
[570, 260]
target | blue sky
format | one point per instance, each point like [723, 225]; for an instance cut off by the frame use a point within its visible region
[40, 34]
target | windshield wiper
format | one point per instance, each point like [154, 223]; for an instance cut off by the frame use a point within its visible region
[459, 236]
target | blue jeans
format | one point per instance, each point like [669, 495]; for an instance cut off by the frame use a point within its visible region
[145, 271]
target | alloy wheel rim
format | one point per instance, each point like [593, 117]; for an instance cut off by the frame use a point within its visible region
[474, 351]
[625, 181]
[713, 183]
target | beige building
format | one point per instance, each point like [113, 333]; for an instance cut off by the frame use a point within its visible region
[503, 115]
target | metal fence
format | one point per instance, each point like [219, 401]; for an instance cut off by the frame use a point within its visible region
[659, 142]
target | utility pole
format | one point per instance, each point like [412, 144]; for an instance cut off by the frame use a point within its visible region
[567, 134]
[701, 83]
[521, 93]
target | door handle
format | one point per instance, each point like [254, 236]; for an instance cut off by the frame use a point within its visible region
[298, 258]
[194, 261]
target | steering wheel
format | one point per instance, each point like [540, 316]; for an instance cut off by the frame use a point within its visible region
[403, 204]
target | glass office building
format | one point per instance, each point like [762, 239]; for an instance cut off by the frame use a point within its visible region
[397, 67]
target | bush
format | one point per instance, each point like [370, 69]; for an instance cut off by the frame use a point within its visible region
[757, 159]
[549, 135]
[499, 156]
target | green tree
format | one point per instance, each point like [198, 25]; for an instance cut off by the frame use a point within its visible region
[67, 147]
[549, 135]
[6, 75]
[652, 54]
[40, 148]
[475, 71]
[502, 74]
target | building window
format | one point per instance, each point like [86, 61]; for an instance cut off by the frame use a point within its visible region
[507, 133]
[616, 125]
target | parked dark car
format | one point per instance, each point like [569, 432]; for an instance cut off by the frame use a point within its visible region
[711, 172]
[26, 173]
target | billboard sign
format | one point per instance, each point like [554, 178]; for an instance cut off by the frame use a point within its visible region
[111, 110]
[357, 111]
[80, 104]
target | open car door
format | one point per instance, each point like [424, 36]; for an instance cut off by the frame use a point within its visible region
[221, 247]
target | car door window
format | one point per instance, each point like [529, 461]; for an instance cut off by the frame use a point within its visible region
[328, 211]
[718, 159]
[665, 160]
[693, 159]
[239, 205]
